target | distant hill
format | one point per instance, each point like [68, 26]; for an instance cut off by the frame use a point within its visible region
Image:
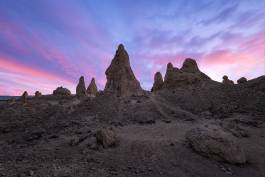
[8, 97]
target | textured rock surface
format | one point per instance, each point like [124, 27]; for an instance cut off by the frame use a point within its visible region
[81, 87]
[214, 143]
[60, 91]
[38, 94]
[242, 80]
[226, 81]
[120, 77]
[92, 89]
[158, 82]
[106, 138]
[188, 76]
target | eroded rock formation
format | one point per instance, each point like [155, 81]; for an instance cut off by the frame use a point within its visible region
[24, 96]
[226, 81]
[92, 89]
[60, 91]
[188, 75]
[120, 77]
[81, 87]
[242, 80]
[38, 94]
[158, 82]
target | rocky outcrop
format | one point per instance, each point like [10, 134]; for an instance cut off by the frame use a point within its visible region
[60, 91]
[242, 80]
[158, 82]
[188, 75]
[226, 81]
[213, 142]
[38, 94]
[81, 87]
[24, 96]
[92, 89]
[107, 138]
[120, 77]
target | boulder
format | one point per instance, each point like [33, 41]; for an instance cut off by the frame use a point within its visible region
[60, 91]
[81, 87]
[37, 94]
[226, 81]
[92, 88]
[158, 82]
[214, 143]
[106, 138]
[120, 77]
[188, 76]
[242, 80]
[24, 96]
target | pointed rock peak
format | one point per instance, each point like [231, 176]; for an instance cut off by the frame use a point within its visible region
[120, 47]
[190, 65]
[158, 82]
[81, 87]
[92, 88]
[225, 77]
[82, 79]
[24, 97]
[120, 77]
[170, 66]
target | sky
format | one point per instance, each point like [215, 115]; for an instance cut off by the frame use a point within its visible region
[49, 43]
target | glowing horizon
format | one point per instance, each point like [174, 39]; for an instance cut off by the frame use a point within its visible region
[45, 44]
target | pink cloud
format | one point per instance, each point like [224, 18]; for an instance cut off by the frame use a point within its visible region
[18, 78]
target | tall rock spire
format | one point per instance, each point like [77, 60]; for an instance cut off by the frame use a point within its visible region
[120, 77]
[81, 87]
[92, 89]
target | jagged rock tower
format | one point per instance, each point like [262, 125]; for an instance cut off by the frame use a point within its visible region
[188, 75]
[158, 82]
[92, 89]
[120, 77]
[81, 87]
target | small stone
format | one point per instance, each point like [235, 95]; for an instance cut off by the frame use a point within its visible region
[106, 138]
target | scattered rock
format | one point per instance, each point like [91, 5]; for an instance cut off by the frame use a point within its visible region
[60, 91]
[81, 87]
[106, 138]
[226, 81]
[92, 89]
[37, 94]
[120, 77]
[242, 80]
[158, 82]
[214, 143]
[11, 101]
